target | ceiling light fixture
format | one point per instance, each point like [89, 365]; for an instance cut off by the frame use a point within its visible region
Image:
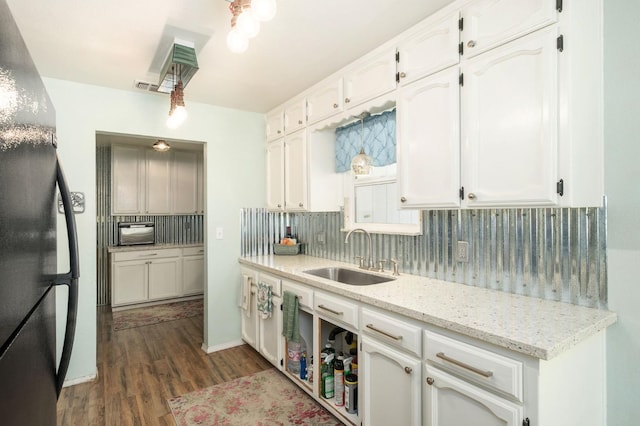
[361, 163]
[245, 21]
[161, 146]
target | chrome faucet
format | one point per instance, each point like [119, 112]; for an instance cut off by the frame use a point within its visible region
[369, 262]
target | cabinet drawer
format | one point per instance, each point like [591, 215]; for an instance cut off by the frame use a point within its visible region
[475, 364]
[392, 331]
[305, 295]
[273, 281]
[146, 254]
[193, 251]
[335, 308]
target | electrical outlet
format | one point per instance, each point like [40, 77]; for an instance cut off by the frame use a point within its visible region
[462, 251]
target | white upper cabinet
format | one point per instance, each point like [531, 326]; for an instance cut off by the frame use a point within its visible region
[510, 124]
[185, 182]
[127, 179]
[490, 23]
[275, 125]
[428, 130]
[371, 77]
[158, 182]
[325, 100]
[428, 48]
[295, 171]
[275, 175]
[295, 116]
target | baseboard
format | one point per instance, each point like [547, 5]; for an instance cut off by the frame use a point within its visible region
[78, 380]
[216, 348]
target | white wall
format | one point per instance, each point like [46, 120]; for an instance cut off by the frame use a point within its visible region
[235, 170]
[622, 171]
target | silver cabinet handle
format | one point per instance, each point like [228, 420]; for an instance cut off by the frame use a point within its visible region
[335, 105]
[403, 74]
[299, 121]
[300, 205]
[471, 43]
[330, 310]
[483, 373]
[408, 370]
[384, 333]
[430, 381]
[279, 205]
[471, 196]
[403, 199]
[347, 100]
[148, 254]
[279, 131]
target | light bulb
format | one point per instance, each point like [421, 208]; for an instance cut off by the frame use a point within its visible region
[236, 41]
[264, 10]
[248, 25]
[178, 117]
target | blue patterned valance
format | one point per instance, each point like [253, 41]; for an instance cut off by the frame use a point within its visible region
[379, 141]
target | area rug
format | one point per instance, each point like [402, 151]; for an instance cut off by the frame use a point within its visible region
[264, 398]
[150, 315]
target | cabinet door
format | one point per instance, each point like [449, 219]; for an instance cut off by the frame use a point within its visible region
[249, 318]
[428, 116]
[164, 278]
[490, 23]
[295, 171]
[373, 77]
[391, 379]
[325, 100]
[127, 180]
[192, 275]
[295, 116]
[158, 182]
[200, 191]
[509, 124]
[270, 334]
[275, 175]
[185, 182]
[450, 401]
[129, 282]
[429, 49]
[275, 125]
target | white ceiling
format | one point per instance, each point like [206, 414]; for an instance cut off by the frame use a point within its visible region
[112, 43]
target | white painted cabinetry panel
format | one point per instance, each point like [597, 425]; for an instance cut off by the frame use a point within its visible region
[510, 124]
[158, 182]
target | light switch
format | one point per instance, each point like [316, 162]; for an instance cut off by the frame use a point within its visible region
[219, 233]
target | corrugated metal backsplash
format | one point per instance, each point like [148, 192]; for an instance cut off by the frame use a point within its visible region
[555, 254]
[186, 229]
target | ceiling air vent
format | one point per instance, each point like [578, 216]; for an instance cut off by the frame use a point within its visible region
[146, 86]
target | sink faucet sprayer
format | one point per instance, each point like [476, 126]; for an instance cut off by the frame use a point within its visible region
[369, 257]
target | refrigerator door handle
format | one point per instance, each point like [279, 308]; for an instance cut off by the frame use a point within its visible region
[69, 279]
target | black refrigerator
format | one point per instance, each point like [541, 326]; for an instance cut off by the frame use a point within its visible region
[30, 177]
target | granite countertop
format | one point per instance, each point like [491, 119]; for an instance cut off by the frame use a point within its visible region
[120, 249]
[536, 327]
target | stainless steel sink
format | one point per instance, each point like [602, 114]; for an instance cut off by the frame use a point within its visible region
[348, 276]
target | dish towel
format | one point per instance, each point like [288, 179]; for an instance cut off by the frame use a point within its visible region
[290, 329]
[246, 295]
[265, 305]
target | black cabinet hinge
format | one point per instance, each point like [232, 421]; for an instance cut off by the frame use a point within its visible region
[397, 77]
[560, 43]
[460, 49]
[460, 24]
[461, 79]
[398, 57]
[461, 192]
[559, 6]
[526, 422]
[560, 187]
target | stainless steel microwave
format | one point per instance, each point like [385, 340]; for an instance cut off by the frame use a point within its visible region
[134, 233]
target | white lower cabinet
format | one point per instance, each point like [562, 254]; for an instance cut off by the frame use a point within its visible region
[450, 401]
[143, 276]
[270, 334]
[250, 315]
[390, 384]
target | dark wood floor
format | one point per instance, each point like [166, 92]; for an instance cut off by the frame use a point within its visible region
[140, 368]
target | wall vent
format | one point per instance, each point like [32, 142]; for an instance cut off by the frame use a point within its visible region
[146, 86]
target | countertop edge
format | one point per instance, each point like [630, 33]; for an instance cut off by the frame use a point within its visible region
[545, 352]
